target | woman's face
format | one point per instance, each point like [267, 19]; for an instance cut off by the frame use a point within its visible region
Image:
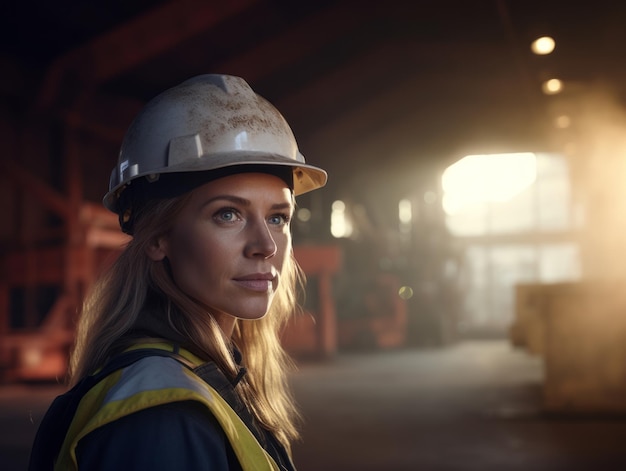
[230, 242]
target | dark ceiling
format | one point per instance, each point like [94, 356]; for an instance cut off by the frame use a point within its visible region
[365, 85]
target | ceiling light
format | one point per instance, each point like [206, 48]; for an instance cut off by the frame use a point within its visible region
[552, 86]
[543, 45]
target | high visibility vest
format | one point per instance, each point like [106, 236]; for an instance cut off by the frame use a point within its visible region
[154, 381]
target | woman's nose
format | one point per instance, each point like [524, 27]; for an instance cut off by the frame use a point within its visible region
[261, 242]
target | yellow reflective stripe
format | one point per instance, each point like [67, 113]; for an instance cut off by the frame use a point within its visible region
[251, 455]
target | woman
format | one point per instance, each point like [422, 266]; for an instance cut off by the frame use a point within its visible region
[205, 184]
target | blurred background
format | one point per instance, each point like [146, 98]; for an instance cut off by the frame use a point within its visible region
[471, 231]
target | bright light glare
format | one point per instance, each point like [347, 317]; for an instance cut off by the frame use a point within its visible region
[303, 214]
[340, 225]
[552, 86]
[543, 45]
[339, 206]
[563, 122]
[405, 292]
[405, 214]
[487, 178]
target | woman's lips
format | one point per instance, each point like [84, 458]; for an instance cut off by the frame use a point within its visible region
[256, 282]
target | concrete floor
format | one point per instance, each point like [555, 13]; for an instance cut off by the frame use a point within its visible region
[472, 406]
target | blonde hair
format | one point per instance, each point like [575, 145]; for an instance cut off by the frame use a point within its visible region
[118, 298]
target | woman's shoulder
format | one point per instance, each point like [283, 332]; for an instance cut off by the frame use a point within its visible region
[179, 435]
[152, 372]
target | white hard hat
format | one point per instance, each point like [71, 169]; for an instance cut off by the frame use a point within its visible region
[207, 123]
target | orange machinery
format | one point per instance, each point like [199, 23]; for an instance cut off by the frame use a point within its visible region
[383, 321]
[313, 333]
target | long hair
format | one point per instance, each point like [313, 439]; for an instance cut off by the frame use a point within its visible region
[119, 297]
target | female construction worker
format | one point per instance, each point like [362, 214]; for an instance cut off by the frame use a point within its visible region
[179, 340]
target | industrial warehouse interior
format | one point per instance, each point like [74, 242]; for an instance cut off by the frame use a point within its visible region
[466, 298]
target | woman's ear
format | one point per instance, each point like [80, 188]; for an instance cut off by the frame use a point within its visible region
[157, 250]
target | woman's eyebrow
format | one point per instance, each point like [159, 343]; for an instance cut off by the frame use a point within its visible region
[231, 198]
[286, 205]
[244, 201]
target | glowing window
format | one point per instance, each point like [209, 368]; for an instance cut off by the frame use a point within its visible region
[487, 178]
[507, 193]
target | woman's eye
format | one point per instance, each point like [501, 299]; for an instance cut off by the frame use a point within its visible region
[226, 215]
[279, 219]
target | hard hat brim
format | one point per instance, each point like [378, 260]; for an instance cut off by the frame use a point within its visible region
[305, 177]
